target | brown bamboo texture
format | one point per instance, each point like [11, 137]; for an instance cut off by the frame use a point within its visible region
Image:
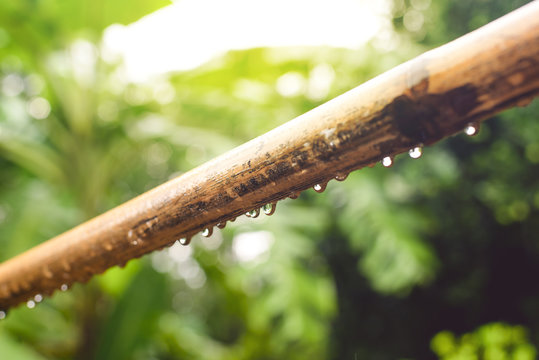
[417, 103]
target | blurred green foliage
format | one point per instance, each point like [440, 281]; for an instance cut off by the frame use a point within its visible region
[373, 268]
[491, 341]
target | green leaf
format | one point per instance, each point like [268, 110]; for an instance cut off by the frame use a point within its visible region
[132, 322]
[32, 156]
[12, 349]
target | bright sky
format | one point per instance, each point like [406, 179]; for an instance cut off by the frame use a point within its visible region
[188, 33]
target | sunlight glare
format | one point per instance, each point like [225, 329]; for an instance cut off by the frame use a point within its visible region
[252, 246]
[188, 33]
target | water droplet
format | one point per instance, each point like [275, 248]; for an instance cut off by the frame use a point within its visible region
[319, 188]
[2, 314]
[293, 195]
[207, 232]
[269, 208]
[30, 304]
[416, 152]
[134, 242]
[253, 213]
[472, 129]
[387, 161]
[221, 225]
[341, 176]
[64, 287]
[38, 298]
[185, 241]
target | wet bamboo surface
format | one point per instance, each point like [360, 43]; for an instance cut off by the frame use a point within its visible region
[436, 95]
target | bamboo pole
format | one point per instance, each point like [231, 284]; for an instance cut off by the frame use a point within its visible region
[418, 103]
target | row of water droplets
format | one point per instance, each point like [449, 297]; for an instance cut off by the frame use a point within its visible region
[30, 304]
[416, 152]
[268, 209]
[471, 129]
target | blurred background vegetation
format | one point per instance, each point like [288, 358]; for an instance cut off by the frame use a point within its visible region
[432, 258]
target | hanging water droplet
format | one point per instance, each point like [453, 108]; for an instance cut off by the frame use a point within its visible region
[185, 241]
[341, 176]
[30, 304]
[2, 314]
[269, 208]
[207, 232]
[221, 225]
[472, 129]
[416, 152]
[253, 213]
[319, 188]
[38, 298]
[64, 287]
[293, 195]
[387, 161]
